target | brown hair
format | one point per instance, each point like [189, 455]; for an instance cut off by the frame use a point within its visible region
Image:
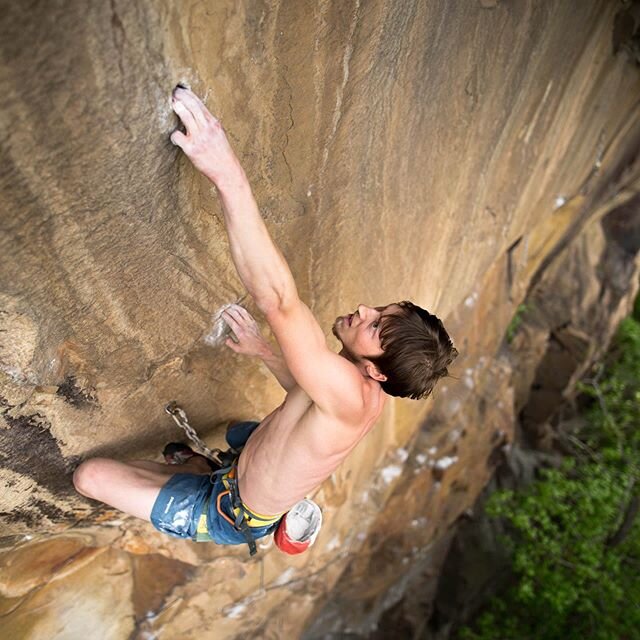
[417, 352]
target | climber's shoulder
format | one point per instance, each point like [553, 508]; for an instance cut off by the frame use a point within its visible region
[334, 384]
[358, 416]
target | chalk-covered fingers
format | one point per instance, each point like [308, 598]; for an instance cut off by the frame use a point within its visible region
[243, 317]
[190, 108]
[192, 114]
[184, 114]
[205, 142]
[179, 139]
[246, 330]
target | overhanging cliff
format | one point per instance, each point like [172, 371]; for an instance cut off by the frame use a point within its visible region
[444, 152]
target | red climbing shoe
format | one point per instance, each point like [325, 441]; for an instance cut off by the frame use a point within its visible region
[299, 527]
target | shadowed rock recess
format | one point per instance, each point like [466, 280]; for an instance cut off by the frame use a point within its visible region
[465, 155]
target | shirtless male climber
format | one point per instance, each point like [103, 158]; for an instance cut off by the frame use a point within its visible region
[332, 401]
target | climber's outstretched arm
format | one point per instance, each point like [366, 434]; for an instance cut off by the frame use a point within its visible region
[334, 384]
[261, 267]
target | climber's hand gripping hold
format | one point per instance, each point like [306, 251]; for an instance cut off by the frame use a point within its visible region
[205, 142]
[250, 340]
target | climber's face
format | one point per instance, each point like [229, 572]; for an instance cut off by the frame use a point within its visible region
[359, 332]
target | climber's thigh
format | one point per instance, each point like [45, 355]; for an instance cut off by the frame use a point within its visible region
[128, 488]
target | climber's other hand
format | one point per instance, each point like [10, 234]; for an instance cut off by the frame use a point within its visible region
[205, 142]
[245, 328]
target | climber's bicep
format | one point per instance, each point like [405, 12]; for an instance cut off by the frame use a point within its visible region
[331, 381]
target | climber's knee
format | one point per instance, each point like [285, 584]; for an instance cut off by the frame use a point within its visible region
[90, 475]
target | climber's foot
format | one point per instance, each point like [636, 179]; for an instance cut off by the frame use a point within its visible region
[180, 453]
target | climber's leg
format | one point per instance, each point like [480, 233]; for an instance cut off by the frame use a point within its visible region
[151, 466]
[128, 487]
[197, 464]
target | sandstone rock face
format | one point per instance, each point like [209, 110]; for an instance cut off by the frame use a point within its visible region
[448, 153]
[571, 312]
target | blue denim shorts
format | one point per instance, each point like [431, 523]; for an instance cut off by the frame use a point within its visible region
[238, 435]
[187, 505]
[179, 504]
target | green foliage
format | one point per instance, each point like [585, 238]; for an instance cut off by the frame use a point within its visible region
[571, 581]
[516, 321]
[615, 413]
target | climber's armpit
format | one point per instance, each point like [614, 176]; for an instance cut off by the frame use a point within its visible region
[331, 381]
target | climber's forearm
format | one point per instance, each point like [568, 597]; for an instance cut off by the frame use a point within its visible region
[260, 264]
[276, 364]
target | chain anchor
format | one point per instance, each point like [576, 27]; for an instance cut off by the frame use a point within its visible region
[180, 418]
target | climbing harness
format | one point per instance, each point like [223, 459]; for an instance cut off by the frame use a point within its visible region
[297, 529]
[226, 461]
[245, 519]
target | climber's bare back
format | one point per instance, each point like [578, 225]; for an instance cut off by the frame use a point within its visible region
[297, 446]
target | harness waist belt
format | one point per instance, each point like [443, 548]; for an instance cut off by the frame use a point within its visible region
[252, 518]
